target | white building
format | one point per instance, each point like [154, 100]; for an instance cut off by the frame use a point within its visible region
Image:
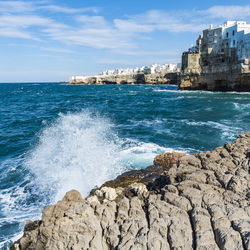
[77, 78]
[232, 34]
[151, 69]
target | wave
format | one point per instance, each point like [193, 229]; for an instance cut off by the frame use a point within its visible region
[8, 240]
[241, 106]
[81, 151]
[141, 154]
[77, 151]
[226, 129]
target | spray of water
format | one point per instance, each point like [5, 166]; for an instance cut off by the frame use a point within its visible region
[78, 151]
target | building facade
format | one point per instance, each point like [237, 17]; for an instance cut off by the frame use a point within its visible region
[150, 69]
[220, 60]
[228, 43]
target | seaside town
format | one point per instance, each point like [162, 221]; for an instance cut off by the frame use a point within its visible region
[145, 145]
[219, 61]
[150, 69]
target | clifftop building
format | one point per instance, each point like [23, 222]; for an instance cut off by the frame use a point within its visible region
[151, 69]
[223, 53]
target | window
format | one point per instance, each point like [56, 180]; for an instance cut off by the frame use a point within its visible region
[227, 34]
[233, 42]
[233, 32]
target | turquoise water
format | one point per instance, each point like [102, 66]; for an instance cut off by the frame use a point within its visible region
[55, 137]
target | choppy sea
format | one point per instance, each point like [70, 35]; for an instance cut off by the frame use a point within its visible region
[56, 137]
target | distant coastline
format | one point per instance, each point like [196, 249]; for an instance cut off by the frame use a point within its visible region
[139, 78]
[220, 61]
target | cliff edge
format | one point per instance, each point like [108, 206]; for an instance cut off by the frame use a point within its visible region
[198, 201]
[139, 78]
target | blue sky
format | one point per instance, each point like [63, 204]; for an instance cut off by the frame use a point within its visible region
[50, 40]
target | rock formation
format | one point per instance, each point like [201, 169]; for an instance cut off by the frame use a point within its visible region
[157, 78]
[198, 201]
[227, 80]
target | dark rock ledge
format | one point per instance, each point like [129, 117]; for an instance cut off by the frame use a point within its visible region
[199, 201]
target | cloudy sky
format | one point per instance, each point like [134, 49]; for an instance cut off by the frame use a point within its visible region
[50, 40]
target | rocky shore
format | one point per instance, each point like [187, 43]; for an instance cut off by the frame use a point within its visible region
[227, 80]
[198, 201]
[141, 78]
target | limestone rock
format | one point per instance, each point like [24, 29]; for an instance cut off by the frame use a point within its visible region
[186, 85]
[168, 159]
[139, 78]
[198, 201]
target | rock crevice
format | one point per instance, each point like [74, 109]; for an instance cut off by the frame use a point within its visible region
[199, 201]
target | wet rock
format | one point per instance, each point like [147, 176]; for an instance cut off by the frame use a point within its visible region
[168, 159]
[198, 201]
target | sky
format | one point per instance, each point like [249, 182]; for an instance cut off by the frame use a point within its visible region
[51, 40]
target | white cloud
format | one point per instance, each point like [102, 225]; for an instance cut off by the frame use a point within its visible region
[159, 20]
[57, 50]
[131, 26]
[67, 10]
[95, 38]
[97, 32]
[92, 21]
[31, 6]
[24, 21]
[18, 26]
[16, 6]
[15, 33]
[228, 12]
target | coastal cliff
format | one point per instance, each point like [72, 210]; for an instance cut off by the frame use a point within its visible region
[198, 201]
[220, 61]
[218, 77]
[140, 78]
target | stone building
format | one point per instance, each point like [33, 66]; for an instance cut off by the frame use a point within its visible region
[229, 43]
[191, 62]
[220, 58]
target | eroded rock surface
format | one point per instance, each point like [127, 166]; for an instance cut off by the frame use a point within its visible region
[199, 201]
[140, 78]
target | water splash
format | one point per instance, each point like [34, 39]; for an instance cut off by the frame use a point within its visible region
[78, 151]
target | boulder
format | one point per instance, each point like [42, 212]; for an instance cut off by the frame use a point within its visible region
[198, 201]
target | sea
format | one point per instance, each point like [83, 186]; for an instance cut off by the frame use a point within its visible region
[55, 137]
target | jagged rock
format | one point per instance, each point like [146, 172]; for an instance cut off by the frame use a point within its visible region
[186, 85]
[198, 201]
[168, 159]
[218, 77]
[139, 78]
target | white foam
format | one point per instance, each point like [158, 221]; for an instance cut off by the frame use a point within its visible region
[241, 106]
[81, 151]
[140, 154]
[167, 90]
[78, 151]
[226, 129]
[11, 239]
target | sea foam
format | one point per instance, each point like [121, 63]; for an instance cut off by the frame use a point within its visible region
[81, 151]
[78, 151]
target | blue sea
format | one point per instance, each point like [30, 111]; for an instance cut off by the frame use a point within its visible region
[56, 137]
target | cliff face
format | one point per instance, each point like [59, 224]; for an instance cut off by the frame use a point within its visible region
[198, 201]
[218, 73]
[216, 81]
[158, 78]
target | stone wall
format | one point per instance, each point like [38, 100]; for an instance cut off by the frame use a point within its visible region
[190, 62]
